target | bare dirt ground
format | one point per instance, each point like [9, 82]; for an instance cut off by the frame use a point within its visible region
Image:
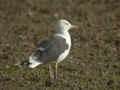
[94, 60]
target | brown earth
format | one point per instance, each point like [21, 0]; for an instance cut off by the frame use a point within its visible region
[94, 60]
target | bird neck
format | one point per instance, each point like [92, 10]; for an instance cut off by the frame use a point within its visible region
[64, 34]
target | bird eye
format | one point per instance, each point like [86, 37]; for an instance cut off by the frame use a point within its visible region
[66, 23]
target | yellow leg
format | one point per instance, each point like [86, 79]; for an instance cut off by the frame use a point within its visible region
[56, 70]
[50, 72]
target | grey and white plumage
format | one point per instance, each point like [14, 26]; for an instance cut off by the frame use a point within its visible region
[55, 49]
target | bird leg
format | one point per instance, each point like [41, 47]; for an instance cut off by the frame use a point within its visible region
[56, 71]
[51, 73]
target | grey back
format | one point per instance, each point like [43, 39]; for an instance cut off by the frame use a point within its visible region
[49, 50]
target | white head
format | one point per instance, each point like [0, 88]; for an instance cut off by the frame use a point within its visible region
[63, 26]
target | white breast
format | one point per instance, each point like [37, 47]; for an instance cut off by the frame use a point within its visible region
[66, 52]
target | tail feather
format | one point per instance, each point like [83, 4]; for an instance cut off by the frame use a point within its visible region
[25, 63]
[31, 63]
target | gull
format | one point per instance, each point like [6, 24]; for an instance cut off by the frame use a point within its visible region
[54, 49]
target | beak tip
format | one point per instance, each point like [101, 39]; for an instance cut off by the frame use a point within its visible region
[74, 27]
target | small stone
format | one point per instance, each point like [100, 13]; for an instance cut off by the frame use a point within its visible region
[56, 15]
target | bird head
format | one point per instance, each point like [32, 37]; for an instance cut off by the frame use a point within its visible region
[63, 26]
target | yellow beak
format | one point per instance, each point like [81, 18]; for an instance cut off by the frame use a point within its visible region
[74, 27]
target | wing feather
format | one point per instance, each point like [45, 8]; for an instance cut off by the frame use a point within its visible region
[49, 50]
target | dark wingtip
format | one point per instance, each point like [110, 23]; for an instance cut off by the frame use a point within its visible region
[25, 63]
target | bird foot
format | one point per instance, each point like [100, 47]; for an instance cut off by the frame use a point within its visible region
[55, 75]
